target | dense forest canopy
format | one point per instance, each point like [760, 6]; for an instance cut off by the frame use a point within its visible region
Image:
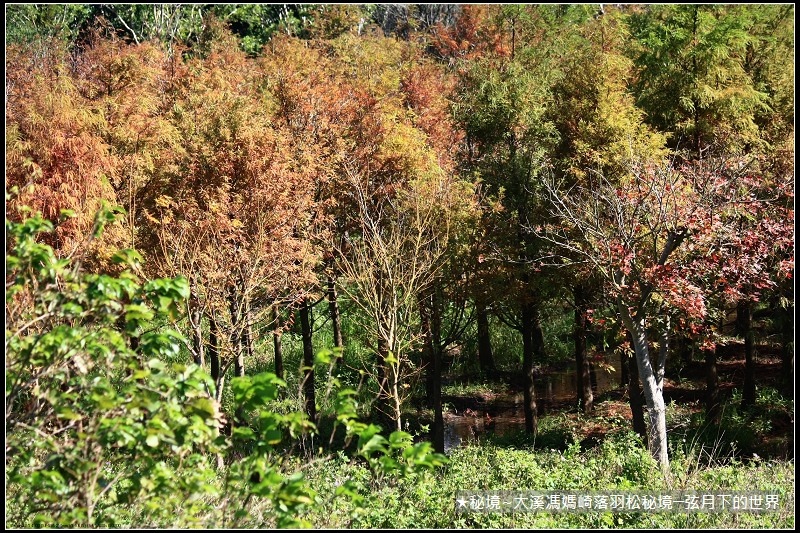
[190, 187]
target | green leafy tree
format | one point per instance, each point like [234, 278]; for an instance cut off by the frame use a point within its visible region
[503, 105]
[769, 60]
[693, 82]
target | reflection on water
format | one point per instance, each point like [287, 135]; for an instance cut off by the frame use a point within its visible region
[505, 414]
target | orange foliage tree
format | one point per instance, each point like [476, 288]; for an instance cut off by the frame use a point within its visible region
[55, 159]
[233, 215]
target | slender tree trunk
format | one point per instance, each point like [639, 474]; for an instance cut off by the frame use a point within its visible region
[397, 413]
[427, 347]
[239, 341]
[248, 330]
[436, 334]
[744, 322]
[236, 332]
[426, 305]
[585, 398]
[653, 394]
[537, 335]
[532, 341]
[385, 404]
[213, 356]
[663, 350]
[333, 307]
[385, 407]
[529, 393]
[276, 344]
[309, 389]
[383, 353]
[713, 412]
[195, 317]
[485, 356]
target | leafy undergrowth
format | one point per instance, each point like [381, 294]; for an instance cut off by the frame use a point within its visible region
[618, 463]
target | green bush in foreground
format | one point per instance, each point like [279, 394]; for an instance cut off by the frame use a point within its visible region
[93, 424]
[101, 432]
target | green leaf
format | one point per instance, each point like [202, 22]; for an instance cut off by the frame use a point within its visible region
[376, 443]
[204, 406]
[128, 257]
[243, 433]
[323, 357]
[400, 439]
[273, 436]
[137, 314]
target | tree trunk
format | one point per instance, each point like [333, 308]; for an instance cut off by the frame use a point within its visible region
[585, 398]
[427, 347]
[385, 407]
[397, 419]
[663, 350]
[247, 334]
[485, 356]
[532, 339]
[333, 307]
[429, 352]
[713, 412]
[744, 322]
[237, 330]
[653, 395]
[239, 341]
[529, 393]
[213, 356]
[624, 375]
[537, 335]
[309, 391]
[636, 398]
[195, 318]
[276, 344]
[436, 334]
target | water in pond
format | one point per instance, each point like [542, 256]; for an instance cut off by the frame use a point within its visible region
[505, 414]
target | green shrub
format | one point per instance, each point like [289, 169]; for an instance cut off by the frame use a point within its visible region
[106, 428]
[95, 419]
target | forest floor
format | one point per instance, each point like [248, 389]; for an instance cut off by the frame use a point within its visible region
[479, 408]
